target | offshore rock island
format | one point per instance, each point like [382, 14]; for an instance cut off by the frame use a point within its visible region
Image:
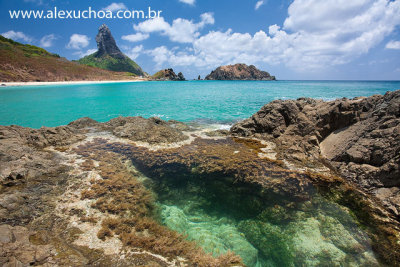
[300, 183]
[239, 72]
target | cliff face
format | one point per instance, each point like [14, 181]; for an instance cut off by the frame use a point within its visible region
[109, 56]
[359, 138]
[239, 72]
[106, 44]
[28, 63]
[168, 75]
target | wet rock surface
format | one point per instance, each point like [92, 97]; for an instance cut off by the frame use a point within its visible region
[128, 191]
[359, 138]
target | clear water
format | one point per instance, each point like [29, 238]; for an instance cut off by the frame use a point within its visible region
[274, 232]
[203, 101]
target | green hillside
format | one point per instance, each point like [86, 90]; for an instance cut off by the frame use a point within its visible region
[107, 62]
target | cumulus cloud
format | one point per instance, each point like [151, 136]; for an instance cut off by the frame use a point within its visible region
[115, 7]
[259, 4]
[137, 37]
[393, 45]
[78, 41]
[17, 36]
[47, 40]
[181, 30]
[315, 34]
[134, 52]
[189, 2]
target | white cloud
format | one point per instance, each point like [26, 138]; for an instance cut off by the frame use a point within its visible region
[393, 45]
[115, 7]
[137, 37]
[135, 52]
[85, 53]
[181, 30]
[47, 40]
[163, 55]
[316, 34]
[78, 41]
[189, 2]
[17, 36]
[259, 4]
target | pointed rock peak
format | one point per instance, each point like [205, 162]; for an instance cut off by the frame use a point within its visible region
[106, 43]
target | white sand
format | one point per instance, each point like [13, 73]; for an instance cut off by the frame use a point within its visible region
[67, 82]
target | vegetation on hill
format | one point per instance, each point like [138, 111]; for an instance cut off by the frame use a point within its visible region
[26, 63]
[109, 56]
[168, 75]
[108, 62]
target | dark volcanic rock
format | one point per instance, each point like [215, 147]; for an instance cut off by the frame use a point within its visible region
[359, 137]
[109, 56]
[168, 75]
[83, 123]
[106, 43]
[239, 72]
[152, 131]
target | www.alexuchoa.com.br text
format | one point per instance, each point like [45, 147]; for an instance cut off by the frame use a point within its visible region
[88, 13]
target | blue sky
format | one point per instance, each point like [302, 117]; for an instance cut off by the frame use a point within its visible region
[300, 39]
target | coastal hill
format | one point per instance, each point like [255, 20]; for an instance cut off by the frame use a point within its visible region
[239, 72]
[27, 63]
[168, 75]
[109, 56]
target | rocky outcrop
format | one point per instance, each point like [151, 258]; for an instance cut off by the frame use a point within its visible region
[168, 75]
[106, 44]
[109, 56]
[239, 72]
[87, 193]
[152, 131]
[359, 138]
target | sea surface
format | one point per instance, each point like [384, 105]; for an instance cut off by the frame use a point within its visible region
[220, 102]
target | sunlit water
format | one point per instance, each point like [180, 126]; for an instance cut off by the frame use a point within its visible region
[275, 232]
[202, 101]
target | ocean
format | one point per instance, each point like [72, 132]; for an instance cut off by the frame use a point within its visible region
[208, 102]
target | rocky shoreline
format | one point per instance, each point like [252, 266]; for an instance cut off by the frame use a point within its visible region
[92, 193]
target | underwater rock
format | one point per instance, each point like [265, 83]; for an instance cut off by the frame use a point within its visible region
[269, 239]
[213, 235]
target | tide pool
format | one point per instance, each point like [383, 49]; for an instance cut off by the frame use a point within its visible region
[203, 101]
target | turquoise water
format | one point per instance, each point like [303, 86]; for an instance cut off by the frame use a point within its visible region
[204, 101]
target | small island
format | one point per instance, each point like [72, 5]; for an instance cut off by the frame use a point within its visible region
[168, 75]
[239, 72]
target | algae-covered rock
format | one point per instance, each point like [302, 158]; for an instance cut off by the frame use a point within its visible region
[238, 243]
[269, 239]
[275, 214]
[216, 236]
[174, 218]
[309, 245]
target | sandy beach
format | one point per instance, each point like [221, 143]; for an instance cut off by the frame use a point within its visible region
[6, 84]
